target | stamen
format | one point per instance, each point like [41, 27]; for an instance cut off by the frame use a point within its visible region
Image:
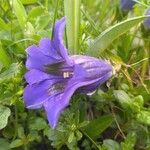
[66, 74]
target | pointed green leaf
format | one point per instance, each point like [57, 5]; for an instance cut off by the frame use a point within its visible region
[36, 12]
[72, 12]
[97, 126]
[3, 25]
[4, 145]
[111, 144]
[4, 114]
[4, 58]
[123, 98]
[20, 12]
[112, 33]
[27, 2]
[16, 143]
[144, 117]
[11, 72]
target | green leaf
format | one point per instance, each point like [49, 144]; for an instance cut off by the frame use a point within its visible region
[5, 35]
[16, 143]
[4, 145]
[111, 145]
[144, 117]
[21, 134]
[33, 135]
[97, 126]
[42, 22]
[36, 12]
[4, 58]
[3, 25]
[4, 114]
[37, 124]
[112, 33]
[123, 98]
[20, 12]
[13, 70]
[129, 142]
[71, 137]
[29, 1]
[72, 12]
[78, 135]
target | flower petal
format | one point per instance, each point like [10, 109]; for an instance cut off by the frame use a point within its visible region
[47, 48]
[55, 105]
[95, 85]
[58, 39]
[36, 59]
[35, 94]
[35, 76]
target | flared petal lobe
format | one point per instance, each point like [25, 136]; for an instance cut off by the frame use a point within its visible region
[36, 94]
[55, 105]
[48, 51]
[35, 76]
[37, 59]
[58, 39]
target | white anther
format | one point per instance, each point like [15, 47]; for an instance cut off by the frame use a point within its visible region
[66, 74]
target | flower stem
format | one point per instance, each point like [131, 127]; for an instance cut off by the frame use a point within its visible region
[90, 139]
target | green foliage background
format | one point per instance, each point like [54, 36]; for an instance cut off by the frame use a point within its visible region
[117, 115]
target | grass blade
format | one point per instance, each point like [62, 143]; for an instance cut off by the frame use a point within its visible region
[112, 33]
[72, 12]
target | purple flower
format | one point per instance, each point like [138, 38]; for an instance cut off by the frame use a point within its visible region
[127, 5]
[54, 76]
[146, 22]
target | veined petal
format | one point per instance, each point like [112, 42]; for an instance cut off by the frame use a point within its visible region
[35, 94]
[92, 87]
[36, 59]
[47, 48]
[93, 67]
[55, 105]
[35, 76]
[58, 39]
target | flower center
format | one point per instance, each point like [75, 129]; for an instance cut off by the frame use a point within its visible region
[59, 69]
[67, 74]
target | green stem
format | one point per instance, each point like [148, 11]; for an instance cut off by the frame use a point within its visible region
[26, 147]
[145, 63]
[142, 4]
[15, 123]
[90, 139]
[72, 13]
[55, 16]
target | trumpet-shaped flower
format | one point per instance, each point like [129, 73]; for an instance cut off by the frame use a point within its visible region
[54, 76]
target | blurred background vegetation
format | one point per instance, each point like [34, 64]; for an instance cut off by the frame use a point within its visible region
[116, 117]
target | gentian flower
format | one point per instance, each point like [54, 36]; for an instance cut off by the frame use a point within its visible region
[146, 22]
[54, 76]
[127, 5]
